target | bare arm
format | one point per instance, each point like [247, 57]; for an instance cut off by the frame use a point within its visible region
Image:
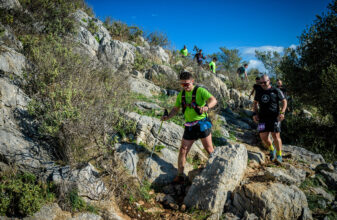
[255, 109]
[283, 109]
[173, 112]
[211, 102]
[252, 93]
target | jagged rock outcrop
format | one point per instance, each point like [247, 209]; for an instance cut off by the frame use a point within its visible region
[54, 212]
[215, 85]
[289, 176]
[222, 174]
[116, 53]
[165, 70]
[272, 201]
[85, 179]
[239, 99]
[8, 38]
[302, 154]
[170, 135]
[143, 86]
[12, 61]
[10, 5]
[160, 53]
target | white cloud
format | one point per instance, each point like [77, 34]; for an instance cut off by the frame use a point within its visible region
[256, 64]
[293, 46]
[251, 50]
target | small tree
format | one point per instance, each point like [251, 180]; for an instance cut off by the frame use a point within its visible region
[311, 71]
[158, 39]
[229, 59]
[271, 61]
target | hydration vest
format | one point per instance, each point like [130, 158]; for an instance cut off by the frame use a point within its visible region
[193, 103]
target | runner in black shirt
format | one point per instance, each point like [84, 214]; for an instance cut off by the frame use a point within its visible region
[199, 57]
[256, 86]
[269, 116]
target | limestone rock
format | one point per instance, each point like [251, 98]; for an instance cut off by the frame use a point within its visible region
[323, 193]
[12, 61]
[128, 153]
[331, 178]
[142, 86]
[115, 53]
[8, 38]
[170, 135]
[325, 166]
[10, 4]
[160, 53]
[86, 179]
[303, 154]
[272, 201]
[147, 105]
[222, 174]
[165, 70]
[50, 212]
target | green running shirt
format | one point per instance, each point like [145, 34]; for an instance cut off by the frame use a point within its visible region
[184, 52]
[201, 97]
[212, 67]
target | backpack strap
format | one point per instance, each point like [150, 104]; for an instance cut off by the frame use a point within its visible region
[193, 103]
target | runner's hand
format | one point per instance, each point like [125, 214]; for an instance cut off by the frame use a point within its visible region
[280, 117]
[256, 118]
[203, 109]
[165, 118]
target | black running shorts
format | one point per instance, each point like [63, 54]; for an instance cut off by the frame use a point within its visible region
[194, 133]
[269, 125]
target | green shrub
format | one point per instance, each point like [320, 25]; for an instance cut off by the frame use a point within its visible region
[76, 104]
[158, 39]
[92, 27]
[22, 194]
[311, 134]
[141, 63]
[77, 204]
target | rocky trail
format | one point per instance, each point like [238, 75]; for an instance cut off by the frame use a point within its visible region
[237, 182]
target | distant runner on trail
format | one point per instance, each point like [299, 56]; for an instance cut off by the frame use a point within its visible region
[199, 57]
[184, 51]
[256, 86]
[280, 86]
[195, 102]
[267, 114]
[212, 65]
[242, 72]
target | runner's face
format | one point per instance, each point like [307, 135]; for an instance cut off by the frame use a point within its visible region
[265, 83]
[187, 84]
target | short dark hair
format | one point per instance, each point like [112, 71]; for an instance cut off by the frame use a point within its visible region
[185, 76]
[246, 64]
[215, 59]
[257, 78]
[278, 80]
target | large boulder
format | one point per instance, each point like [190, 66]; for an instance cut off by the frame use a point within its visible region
[215, 85]
[142, 86]
[289, 176]
[240, 99]
[170, 135]
[165, 70]
[222, 174]
[10, 5]
[128, 154]
[272, 201]
[85, 179]
[159, 53]
[303, 155]
[12, 61]
[116, 53]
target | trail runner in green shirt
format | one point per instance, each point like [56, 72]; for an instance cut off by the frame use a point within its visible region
[195, 101]
[184, 52]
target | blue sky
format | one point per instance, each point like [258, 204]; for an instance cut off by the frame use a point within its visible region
[245, 25]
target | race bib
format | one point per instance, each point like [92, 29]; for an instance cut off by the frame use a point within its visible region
[261, 126]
